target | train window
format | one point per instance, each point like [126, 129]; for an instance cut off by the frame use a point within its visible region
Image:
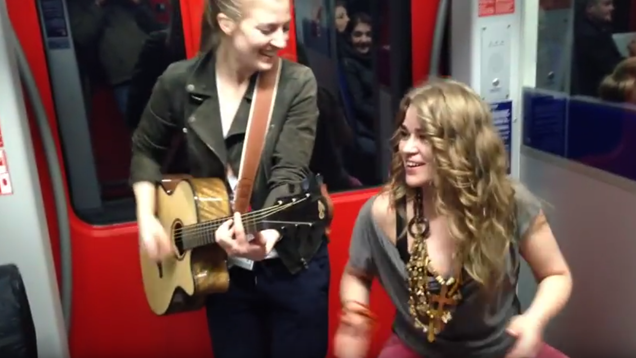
[602, 38]
[583, 105]
[362, 63]
[104, 57]
[582, 41]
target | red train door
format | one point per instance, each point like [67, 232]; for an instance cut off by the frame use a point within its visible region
[82, 99]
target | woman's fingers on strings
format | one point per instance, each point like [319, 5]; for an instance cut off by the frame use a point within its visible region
[239, 231]
[223, 235]
[226, 226]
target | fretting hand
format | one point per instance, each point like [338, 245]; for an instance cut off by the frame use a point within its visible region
[232, 238]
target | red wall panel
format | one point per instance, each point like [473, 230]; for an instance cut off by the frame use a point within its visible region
[423, 16]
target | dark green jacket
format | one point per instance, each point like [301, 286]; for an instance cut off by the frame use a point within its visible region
[185, 100]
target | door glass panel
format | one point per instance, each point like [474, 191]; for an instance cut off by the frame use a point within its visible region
[104, 57]
[360, 53]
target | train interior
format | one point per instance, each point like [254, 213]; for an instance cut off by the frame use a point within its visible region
[68, 105]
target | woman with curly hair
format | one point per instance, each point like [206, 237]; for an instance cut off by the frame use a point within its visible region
[620, 85]
[444, 239]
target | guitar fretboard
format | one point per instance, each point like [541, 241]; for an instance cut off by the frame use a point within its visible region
[201, 234]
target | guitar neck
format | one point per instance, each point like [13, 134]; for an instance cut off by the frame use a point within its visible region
[202, 234]
[192, 236]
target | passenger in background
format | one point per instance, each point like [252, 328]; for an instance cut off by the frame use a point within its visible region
[595, 52]
[620, 86]
[160, 50]
[341, 18]
[117, 30]
[359, 90]
[445, 238]
[333, 135]
[358, 67]
[277, 302]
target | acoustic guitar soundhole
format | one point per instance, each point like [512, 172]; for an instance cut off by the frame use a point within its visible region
[178, 235]
[160, 270]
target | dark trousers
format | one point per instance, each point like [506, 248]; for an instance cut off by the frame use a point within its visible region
[270, 313]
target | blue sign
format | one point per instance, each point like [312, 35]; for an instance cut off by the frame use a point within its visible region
[502, 119]
[544, 122]
[54, 23]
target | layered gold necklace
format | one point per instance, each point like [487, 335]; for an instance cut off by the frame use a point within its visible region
[431, 309]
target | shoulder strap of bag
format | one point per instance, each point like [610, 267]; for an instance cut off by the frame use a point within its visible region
[257, 126]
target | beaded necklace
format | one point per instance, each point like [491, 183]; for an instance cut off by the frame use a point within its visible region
[431, 311]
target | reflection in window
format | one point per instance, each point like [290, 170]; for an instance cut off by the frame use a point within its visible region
[620, 85]
[554, 43]
[121, 48]
[582, 41]
[598, 46]
[359, 86]
[346, 44]
[592, 122]
[321, 33]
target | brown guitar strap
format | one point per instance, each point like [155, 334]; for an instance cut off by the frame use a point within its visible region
[255, 134]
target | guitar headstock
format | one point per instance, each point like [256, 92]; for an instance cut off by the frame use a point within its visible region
[301, 213]
[303, 208]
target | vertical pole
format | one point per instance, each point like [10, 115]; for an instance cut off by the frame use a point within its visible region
[24, 236]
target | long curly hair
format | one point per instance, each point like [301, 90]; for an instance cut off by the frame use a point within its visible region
[470, 184]
[620, 85]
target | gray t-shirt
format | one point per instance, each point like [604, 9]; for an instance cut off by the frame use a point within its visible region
[478, 327]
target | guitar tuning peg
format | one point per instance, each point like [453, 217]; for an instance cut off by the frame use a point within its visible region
[280, 202]
[293, 200]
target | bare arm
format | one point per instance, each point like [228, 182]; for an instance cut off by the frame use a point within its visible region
[540, 249]
[355, 285]
[145, 197]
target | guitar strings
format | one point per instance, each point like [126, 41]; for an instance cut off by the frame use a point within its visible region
[251, 218]
[196, 232]
[219, 221]
[214, 223]
[248, 218]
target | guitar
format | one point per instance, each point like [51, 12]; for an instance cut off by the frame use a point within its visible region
[190, 211]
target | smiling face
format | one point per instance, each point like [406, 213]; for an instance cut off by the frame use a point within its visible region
[261, 32]
[361, 38]
[416, 151]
